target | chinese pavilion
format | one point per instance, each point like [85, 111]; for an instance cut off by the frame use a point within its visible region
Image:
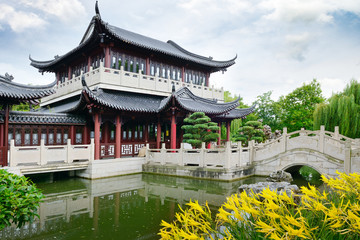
[130, 90]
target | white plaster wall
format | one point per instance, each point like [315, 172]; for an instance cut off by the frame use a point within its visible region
[112, 167]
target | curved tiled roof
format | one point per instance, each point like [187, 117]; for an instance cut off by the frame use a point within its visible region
[239, 112]
[20, 92]
[44, 118]
[169, 48]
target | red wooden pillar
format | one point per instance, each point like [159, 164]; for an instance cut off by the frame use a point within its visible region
[6, 133]
[147, 66]
[1, 135]
[97, 135]
[107, 57]
[118, 137]
[85, 135]
[207, 80]
[158, 135]
[173, 131]
[227, 131]
[105, 132]
[208, 146]
[146, 134]
[69, 73]
[183, 74]
[219, 139]
[89, 63]
[72, 134]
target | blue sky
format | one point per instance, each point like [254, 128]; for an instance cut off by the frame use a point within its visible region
[280, 44]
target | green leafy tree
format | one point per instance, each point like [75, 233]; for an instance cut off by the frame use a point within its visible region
[343, 110]
[252, 130]
[199, 128]
[297, 108]
[268, 110]
[19, 199]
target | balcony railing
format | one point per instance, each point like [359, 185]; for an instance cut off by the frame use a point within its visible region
[129, 81]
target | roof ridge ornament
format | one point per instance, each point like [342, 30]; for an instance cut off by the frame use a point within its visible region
[97, 11]
[8, 77]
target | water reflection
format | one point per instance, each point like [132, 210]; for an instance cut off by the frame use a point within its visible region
[126, 207]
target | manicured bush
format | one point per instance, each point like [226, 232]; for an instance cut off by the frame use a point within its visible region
[331, 214]
[19, 199]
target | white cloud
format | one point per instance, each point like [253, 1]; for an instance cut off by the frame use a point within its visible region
[297, 45]
[307, 10]
[66, 10]
[19, 21]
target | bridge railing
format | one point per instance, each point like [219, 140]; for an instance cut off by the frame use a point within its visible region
[43, 154]
[228, 157]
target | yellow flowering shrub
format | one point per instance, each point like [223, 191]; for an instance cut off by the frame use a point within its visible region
[330, 214]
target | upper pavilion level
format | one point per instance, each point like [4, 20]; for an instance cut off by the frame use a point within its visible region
[113, 58]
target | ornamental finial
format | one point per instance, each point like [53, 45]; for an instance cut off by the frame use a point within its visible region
[9, 77]
[97, 9]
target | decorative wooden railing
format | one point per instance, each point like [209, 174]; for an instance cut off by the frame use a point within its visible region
[119, 79]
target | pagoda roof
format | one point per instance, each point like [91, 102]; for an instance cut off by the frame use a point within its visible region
[16, 92]
[182, 99]
[98, 30]
[19, 117]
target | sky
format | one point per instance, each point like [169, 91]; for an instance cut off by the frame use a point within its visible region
[280, 44]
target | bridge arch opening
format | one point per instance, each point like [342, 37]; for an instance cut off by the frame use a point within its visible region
[303, 174]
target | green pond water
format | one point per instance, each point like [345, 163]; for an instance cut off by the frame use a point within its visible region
[126, 207]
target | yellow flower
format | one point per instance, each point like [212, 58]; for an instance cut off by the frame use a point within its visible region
[264, 227]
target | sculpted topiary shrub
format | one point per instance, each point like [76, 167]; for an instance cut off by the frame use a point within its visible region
[19, 199]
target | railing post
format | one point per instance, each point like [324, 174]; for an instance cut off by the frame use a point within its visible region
[162, 154]
[181, 163]
[147, 158]
[92, 150]
[202, 155]
[68, 150]
[43, 160]
[239, 146]
[336, 132]
[347, 160]
[12, 158]
[284, 136]
[227, 154]
[321, 139]
[251, 151]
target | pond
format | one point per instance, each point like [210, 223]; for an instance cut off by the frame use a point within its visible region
[125, 207]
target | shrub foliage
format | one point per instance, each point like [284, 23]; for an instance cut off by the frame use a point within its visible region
[19, 199]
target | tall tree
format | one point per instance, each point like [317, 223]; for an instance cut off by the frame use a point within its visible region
[297, 108]
[268, 110]
[343, 110]
[199, 128]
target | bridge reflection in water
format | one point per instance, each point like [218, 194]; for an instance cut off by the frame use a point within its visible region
[126, 207]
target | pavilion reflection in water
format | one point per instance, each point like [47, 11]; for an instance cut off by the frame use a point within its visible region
[86, 201]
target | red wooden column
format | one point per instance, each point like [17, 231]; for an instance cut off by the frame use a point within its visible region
[173, 131]
[147, 66]
[97, 135]
[89, 63]
[228, 131]
[118, 137]
[146, 134]
[85, 135]
[219, 139]
[69, 73]
[1, 135]
[207, 80]
[158, 133]
[6, 133]
[72, 134]
[107, 57]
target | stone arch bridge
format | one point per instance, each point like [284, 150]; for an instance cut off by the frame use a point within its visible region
[324, 151]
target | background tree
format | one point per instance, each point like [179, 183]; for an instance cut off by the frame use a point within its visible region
[297, 108]
[198, 129]
[252, 130]
[343, 110]
[268, 110]
[19, 199]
